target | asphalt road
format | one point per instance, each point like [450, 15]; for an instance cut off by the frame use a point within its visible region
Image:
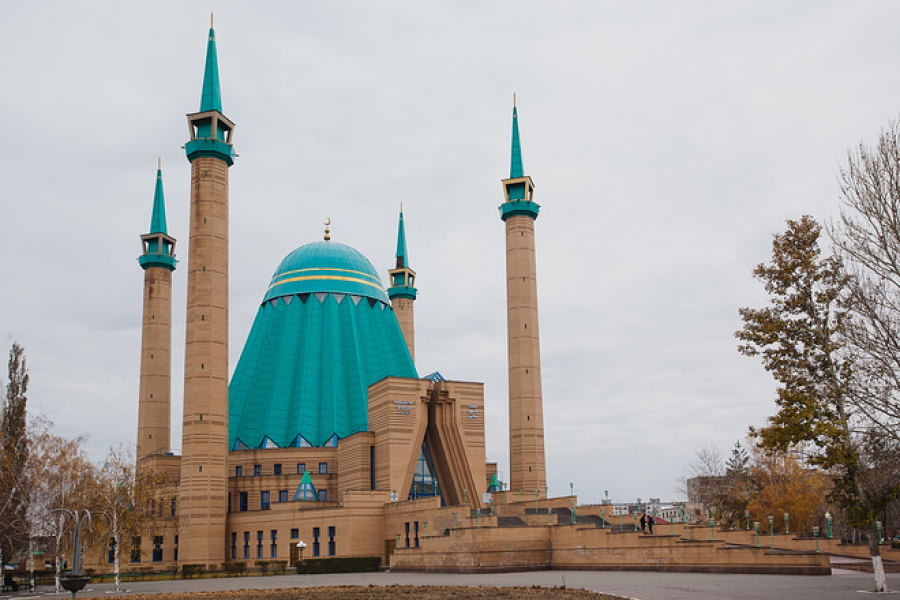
[640, 586]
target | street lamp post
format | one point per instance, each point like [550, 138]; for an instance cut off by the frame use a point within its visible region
[816, 535]
[786, 530]
[478, 518]
[772, 530]
[878, 525]
[75, 580]
[756, 527]
[571, 489]
[747, 515]
[828, 521]
[712, 523]
[454, 519]
[549, 516]
[464, 497]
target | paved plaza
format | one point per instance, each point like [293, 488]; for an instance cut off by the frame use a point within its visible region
[640, 586]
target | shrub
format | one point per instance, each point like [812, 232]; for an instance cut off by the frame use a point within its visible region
[349, 564]
[188, 571]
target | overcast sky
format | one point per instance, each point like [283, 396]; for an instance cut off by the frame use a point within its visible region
[667, 141]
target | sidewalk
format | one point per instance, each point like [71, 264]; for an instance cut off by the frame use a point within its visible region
[640, 586]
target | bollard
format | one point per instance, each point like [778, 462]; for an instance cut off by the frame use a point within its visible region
[756, 526]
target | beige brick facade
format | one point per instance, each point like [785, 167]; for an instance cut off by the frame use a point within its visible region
[527, 469]
[154, 405]
[404, 311]
[204, 490]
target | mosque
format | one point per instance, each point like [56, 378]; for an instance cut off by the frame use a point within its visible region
[326, 434]
[328, 442]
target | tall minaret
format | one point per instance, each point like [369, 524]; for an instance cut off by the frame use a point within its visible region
[158, 262]
[402, 291]
[527, 469]
[203, 491]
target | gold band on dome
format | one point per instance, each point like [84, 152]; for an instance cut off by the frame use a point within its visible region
[326, 269]
[326, 277]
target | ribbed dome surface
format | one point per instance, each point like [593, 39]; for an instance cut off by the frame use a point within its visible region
[326, 267]
[323, 334]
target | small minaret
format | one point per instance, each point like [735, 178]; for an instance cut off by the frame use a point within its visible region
[158, 262]
[526, 413]
[402, 291]
[203, 491]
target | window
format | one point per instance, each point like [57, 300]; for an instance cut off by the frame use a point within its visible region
[416, 530]
[264, 501]
[242, 502]
[234, 545]
[295, 534]
[301, 468]
[136, 549]
[274, 547]
[283, 496]
[239, 471]
[277, 469]
[315, 541]
[407, 535]
[157, 548]
[323, 495]
[259, 545]
[257, 470]
[246, 544]
[372, 483]
[323, 468]
[331, 548]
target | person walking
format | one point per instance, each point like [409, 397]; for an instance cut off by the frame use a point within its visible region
[650, 522]
[643, 522]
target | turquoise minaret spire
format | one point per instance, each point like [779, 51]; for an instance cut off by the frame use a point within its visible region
[401, 243]
[211, 131]
[515, 166]
[211, 96]
[402, 291]
[519, 188]
[158, 219]
[159, 247]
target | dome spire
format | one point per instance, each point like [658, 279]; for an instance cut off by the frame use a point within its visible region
[327, 231]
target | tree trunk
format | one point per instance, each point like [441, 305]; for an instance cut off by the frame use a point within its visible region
[59, 530]
[877, 565]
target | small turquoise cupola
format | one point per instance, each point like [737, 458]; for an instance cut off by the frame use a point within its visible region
[211, 131]
[518, 190]
[402, 278]
[158, 245]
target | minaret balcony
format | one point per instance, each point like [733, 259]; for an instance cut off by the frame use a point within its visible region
[519, 207]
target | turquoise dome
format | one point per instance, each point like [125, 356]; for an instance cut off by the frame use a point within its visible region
[323, 334]
[326, 267]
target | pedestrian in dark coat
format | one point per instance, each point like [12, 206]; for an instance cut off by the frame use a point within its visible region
[643, 522]
[650, 522]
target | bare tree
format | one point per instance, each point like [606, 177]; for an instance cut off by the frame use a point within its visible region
[868, 238]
